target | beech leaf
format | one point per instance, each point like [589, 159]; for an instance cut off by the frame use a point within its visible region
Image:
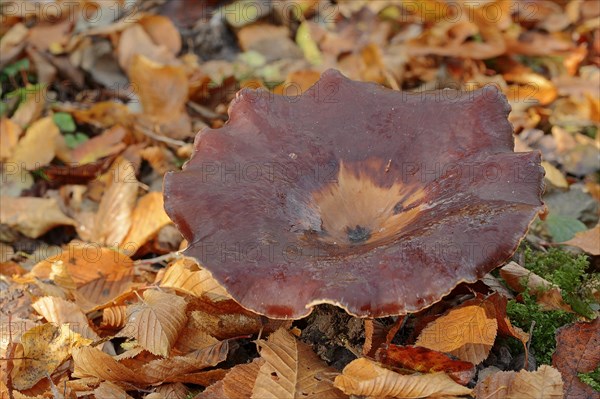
[364, 377]
[545, 383]
[467, 332]
[291, 370]
[156, 321]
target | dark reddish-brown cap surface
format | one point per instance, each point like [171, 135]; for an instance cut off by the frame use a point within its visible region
[352, 194]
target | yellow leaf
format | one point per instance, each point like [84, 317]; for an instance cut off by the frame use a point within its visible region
[60, 311]
[148, 218]
[92, 362]
[44, 348]
[364, 377]
[38, 147]
[156, 321]
[32, 216]
[467, 332]
[291, 370]
[545, 383]
[113, 219]
[186, 276]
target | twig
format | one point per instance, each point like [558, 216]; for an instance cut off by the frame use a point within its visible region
[163, 258]
[157, 137]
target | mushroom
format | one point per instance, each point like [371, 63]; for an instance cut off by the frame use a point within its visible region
[352, 194]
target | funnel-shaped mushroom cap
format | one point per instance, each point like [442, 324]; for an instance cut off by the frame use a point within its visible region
[352, 194]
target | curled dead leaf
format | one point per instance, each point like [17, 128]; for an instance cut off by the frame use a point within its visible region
[467, 331]
[545, 383]
[364, 377]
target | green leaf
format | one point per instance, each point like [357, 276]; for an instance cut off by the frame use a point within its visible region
[14, 68]
[563, 228]
[74, 140]
[308, 44]
[64, 121]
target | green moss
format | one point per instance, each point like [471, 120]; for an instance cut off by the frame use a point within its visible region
[566, 271]
[592, 379]
[543, 342]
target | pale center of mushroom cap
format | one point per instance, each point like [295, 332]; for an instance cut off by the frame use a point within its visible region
[355, 209]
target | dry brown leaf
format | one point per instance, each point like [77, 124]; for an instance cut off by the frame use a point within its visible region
[148, 218]
[291, 370]
[100, 274]
[588, 240]
[171, 391]
[162, 32]
[60, 311]
[45, 347]
[156, 321]
[467, 332]
[114, 317]
[109, 389]
[60, 275]
[548, 296]
[578, 351]
[237, 384]
[186, 276]
[92, 362]
[104, 115]
[364, 377]
[177, 367]
[163, 93]
[136, 41]
[105, 144]
[113, 219]
[38, 146]
[32, 216]
[9, 136]
[227, 319]
[30, 109]
[545, 383]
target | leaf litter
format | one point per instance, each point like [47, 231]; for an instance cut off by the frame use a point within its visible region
[98, 105]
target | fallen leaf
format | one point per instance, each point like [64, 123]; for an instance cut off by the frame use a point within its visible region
[554, 176]
[60, 311]
[504, 325]
[237, 383]
[364, 377]
[185, 275]
[105, 144]
[227, 319]
[291, 370]
[174, 368]
[114, 317]
[545, 383]
[162, 32]
[113, 219]
[156, 321]
[467, 331]
[136, 41]
[147, 219]
[100, 274]
[32, 216]
[588, 240]
[37, 147]
[45, 347]
[9, 136]
[163, 93]
[31, 108]
[425, 360]
[548, 296]
[577, 351]
[92, 362]
[109, 389]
